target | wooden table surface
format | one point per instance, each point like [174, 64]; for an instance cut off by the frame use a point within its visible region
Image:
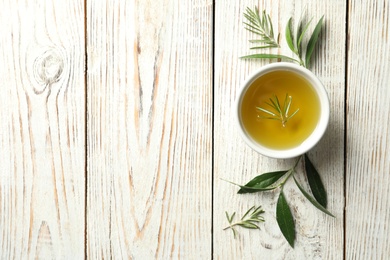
[116, 128]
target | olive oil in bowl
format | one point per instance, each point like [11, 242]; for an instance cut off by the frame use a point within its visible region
[272, 133]
[282, 110]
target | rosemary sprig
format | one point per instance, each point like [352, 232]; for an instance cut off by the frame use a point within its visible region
[249, 220]
[280, 112]
[261, 25]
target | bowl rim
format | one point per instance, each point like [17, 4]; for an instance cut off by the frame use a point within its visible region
[317, 133]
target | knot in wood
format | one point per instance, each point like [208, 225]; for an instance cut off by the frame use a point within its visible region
[48, 67]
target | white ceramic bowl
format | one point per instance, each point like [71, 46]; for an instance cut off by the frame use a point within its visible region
[317, 133]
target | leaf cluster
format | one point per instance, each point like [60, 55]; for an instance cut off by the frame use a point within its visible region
[273, 180]
[262, 26]
[294, 42]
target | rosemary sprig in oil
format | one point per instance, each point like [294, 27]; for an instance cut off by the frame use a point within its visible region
[279, 112]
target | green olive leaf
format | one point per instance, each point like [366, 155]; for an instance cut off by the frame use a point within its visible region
[289, 37]
[298, 32]
[312, 200]
[285, 219]
[315, 183]
[245, 189]
[313, 40]
[262, 182]
[302, 34]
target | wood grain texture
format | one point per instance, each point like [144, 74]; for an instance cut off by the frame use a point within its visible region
[318, 236]
[42, 126]
[368, 136]
[149, 134]
[150, 147]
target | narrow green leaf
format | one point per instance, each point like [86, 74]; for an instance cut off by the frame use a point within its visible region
[254, 189]
[262, 41]
[254, 30]
[248, 225]
[297, 33]
[271, 118]
[289, 37]
[285, 219]
[234, 233]
[302, 34]
[312, 200]
[256, 15]
[278, 104]
[262, 182]
[227, 216]
[245, 189]
[265, 22]
[275, 105]
[315, 183]
[265, 111]
[271, 26]
[271, 104]
[264, 47]
[313, 40]
[249, 16]
[231, 217]
[286, 105]
[300, 28]
[247, 212]
[293, 114]
[259, 210]
[268, 56]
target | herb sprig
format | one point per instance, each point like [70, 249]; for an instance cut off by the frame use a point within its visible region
[261, 25]
[279, 112]
[249, 220]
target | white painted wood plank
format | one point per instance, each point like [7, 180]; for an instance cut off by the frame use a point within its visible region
[42, 126]
[318, 236]
[150, 123]
[368, 140]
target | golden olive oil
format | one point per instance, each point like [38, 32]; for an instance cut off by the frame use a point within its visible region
[271, 133]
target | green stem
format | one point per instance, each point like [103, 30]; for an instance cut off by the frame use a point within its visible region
[297, 161]
[231, 226]
[300, 61]
[290, 172]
